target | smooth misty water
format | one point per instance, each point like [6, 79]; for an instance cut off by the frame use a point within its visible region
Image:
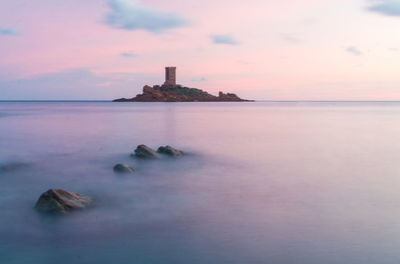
[263, 182]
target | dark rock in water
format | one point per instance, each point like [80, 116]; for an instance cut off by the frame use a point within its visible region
[144, 152]
[12, 166]
[61, 201]
[170, 151]
[123, 168]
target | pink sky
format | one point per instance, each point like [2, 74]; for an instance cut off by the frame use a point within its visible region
[267, 50]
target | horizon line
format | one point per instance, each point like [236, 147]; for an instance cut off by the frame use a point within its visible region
[271, 101]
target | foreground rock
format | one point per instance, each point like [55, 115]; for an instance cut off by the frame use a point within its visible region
[170, 151]
[61, 201]
[144, 152]
[123, 168]
[178, 93]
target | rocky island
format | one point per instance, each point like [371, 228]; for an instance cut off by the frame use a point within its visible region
[172, 92]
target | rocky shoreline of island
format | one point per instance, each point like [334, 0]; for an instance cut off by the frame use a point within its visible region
[178, 93]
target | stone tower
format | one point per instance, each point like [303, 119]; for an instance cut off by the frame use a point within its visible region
[170, 76]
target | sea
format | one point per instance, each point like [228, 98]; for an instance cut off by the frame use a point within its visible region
[261, 182]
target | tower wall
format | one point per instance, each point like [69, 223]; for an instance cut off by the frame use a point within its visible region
[170, 76]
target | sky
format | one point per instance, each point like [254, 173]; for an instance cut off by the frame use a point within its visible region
[258, 49]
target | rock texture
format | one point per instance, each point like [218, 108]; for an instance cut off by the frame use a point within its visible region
[170, 151]
[123, 168]
[178, 93]
[61, 201]
[144, 152]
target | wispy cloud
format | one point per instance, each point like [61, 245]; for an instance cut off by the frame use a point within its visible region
[290, 39]
[8, 31]
[74, 84]
[201, 79]
[386, 7]
[133, 15]
[224, 39]
[128, 54]
[354, 50]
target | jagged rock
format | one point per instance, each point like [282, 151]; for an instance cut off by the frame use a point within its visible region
[123, 168]
[61, 201]
[170, 151]
[144, 152]
[229, 97]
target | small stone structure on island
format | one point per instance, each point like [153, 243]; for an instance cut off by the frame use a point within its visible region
[172, 92]
[170, 76]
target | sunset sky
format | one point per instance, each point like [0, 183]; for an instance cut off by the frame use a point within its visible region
[259, 49]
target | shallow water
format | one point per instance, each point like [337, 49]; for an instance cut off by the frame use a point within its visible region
[264, 182]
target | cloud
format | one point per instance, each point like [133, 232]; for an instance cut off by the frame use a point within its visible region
[128, 54]
[386, 7]
[8, 31]
[201, 79]
[75, 84]
[354, 50]
[224, 39]
[290, 39]
[243, 62]
[133, 15]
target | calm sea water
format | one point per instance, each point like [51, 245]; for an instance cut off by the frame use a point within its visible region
[263, 182]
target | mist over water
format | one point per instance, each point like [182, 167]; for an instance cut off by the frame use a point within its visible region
[263, 182]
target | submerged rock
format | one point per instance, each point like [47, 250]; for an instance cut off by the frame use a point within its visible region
[61, 201]
[123, 168]
[170, 151]
[144, 152]
[13, 166]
